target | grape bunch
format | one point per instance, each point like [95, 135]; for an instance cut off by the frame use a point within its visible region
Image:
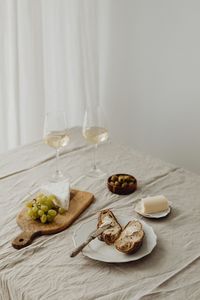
[44, 208]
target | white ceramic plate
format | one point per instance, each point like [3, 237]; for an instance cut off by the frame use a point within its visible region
[101, 251]
[152, 215]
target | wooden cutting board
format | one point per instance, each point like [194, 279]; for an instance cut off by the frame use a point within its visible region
[79, 201]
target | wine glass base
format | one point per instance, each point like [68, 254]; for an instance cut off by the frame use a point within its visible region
[96, 173]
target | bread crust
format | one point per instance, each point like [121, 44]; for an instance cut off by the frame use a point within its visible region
[111, 234]
[128, 242]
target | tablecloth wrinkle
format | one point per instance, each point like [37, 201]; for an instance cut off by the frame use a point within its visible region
[44, 269]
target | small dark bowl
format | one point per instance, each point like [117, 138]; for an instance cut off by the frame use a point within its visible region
[130, 186]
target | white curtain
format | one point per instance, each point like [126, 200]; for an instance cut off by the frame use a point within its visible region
[48, 60]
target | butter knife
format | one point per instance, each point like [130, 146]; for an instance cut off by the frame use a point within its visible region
[91, 237]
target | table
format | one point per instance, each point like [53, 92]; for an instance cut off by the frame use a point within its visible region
[44, 270]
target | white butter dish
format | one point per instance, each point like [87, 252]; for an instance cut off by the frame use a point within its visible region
[157, 215]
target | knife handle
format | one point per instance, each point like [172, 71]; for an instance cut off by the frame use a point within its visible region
[79, 248]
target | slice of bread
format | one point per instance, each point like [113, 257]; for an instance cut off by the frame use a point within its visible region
[112, 233]
[131, 238]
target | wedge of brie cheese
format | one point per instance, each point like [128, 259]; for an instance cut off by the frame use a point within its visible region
[154, 204]
[61, 190]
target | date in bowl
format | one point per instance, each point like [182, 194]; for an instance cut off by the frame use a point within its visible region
[122, 184]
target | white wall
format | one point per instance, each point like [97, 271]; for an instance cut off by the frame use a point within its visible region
[150, 70]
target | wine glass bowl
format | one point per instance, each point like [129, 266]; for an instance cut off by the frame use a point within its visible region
[95, 135]
[95, 132]
[57, 139]
[56, 136]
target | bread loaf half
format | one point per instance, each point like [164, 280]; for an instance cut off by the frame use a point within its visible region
[131, 238]
[112, 233]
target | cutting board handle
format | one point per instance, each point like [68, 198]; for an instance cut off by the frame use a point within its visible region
[23, 239]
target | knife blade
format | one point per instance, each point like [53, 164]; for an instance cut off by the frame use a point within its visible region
[91, 237]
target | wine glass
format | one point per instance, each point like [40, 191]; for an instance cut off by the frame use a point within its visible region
[95, 132]
[56, 136]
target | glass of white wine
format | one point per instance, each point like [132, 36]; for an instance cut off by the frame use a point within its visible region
[95, 132]
[56, 136]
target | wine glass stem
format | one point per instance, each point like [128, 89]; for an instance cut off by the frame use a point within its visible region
[94, 157]
[57, 162]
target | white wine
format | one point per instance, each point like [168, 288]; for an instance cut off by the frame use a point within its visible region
[95, 135]
[57, 139]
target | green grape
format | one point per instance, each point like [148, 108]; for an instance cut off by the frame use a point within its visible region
[39, 197]
[61, 210]
[52, 197]
[49, 218]
[52, 213]
[43, 218]
[29, 204]
[43, 200]
[38, 201]
[44, 208]
[49, 203]
[35, 209]
[30, 213]
[40, 212]
[35, 214]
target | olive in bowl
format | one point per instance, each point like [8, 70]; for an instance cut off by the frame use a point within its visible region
[122, 184]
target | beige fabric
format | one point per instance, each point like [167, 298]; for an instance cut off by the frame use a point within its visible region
[44, 270]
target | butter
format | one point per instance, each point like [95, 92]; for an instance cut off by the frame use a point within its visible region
[106, 221]
[154, 204]
[131, 229]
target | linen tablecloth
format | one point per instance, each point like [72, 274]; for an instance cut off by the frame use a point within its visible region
[44, 269]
